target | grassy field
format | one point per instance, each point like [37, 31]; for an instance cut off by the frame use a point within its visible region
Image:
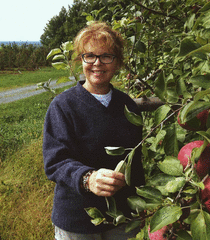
[18, 79]
[25, 193]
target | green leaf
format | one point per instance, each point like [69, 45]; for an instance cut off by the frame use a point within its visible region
[53, 52]
[183, 235]
[205, 8]
[97, 216]
[170, 142]
[190, 22]
[149, 192]
[140, 46]
[160, 181]
[132, 117]
[111, 205]
[201, 81]
[136, 203]
[132, 225]
[200, 95]
[192, 109]
[175, 185]
[200, 227]
[160, 86]
[182, 90]
[187, 46]
[98, 221]
[171, 166]
[114, 151]
[204, 49]
[128, 167]
[119, 219]
[164, 217]
[60, 65]
[161, 113]
[58, 57]
[204, 135]
[67, 46]
[121, 166]
[62, 80]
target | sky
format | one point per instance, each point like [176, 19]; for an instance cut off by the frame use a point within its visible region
[25, 20]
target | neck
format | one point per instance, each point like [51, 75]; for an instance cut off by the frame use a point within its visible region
[97, 89]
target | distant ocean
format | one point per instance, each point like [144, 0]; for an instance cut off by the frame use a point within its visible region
[20, 42]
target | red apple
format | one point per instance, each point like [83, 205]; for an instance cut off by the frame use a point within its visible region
[205, 194]
[207, 204]
[203, 164]
[159, 234]
[197, 123]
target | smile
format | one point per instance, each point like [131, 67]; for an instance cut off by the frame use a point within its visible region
[98, 71]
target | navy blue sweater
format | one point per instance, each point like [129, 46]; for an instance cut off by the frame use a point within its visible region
[76, 130]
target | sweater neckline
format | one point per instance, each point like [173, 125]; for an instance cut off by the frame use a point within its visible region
[90, 95]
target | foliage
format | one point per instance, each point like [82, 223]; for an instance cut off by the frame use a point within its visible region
[167, 56]
[25, 56]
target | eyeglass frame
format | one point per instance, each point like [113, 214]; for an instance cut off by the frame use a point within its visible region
[98, 56]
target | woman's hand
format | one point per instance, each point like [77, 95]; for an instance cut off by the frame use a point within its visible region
[105, 182]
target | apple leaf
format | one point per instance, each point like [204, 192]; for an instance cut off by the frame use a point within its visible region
[60, 65]
[200, 226]
[161, 113]
[133, 117]
[58, 57]
[149, 192]
[183, 235]
[205, 135]
[192, 109]
[201, 81]
[132, 225]
[170, 142]
[136, 203]
[187, 46]
[160, 86]
[121, 166]
[97, 216]
[53, 52]
[165, 216]
[115, 150]
[175, 185]
[171, 166]
[128, 167]
[160, 181]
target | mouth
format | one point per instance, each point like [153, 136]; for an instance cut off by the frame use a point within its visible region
[98, 71]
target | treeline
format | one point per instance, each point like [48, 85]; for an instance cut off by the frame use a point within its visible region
[25, 56]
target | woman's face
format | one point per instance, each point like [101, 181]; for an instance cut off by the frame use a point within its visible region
[98, 75]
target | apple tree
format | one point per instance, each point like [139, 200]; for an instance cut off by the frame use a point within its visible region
[167, 58]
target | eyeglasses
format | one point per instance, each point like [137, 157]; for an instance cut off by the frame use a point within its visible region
[104, 58]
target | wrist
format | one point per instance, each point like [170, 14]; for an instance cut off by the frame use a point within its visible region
[85, 181]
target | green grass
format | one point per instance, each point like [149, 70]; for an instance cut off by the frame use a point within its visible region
[25, 193]
[18, 79]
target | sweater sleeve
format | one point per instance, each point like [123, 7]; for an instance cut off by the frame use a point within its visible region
[60, 149]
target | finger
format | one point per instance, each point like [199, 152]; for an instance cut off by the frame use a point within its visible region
[111, 174]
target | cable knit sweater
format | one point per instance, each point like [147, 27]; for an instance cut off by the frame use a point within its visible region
[76, 130]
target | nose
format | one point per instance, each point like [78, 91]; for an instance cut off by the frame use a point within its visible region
[97, 62]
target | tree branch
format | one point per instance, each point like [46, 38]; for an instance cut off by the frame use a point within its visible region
[137, 2]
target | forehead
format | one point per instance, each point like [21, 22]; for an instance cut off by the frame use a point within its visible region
[97, 47]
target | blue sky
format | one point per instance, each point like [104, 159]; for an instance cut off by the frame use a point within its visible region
[23, 20]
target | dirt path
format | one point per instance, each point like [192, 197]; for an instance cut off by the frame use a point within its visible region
[24, 92]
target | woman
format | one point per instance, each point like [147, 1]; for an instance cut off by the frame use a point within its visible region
[79, 124]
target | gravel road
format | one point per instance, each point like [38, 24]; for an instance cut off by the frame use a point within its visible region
[28, 91]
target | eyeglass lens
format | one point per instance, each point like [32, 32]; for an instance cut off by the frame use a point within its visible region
[105, 58]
